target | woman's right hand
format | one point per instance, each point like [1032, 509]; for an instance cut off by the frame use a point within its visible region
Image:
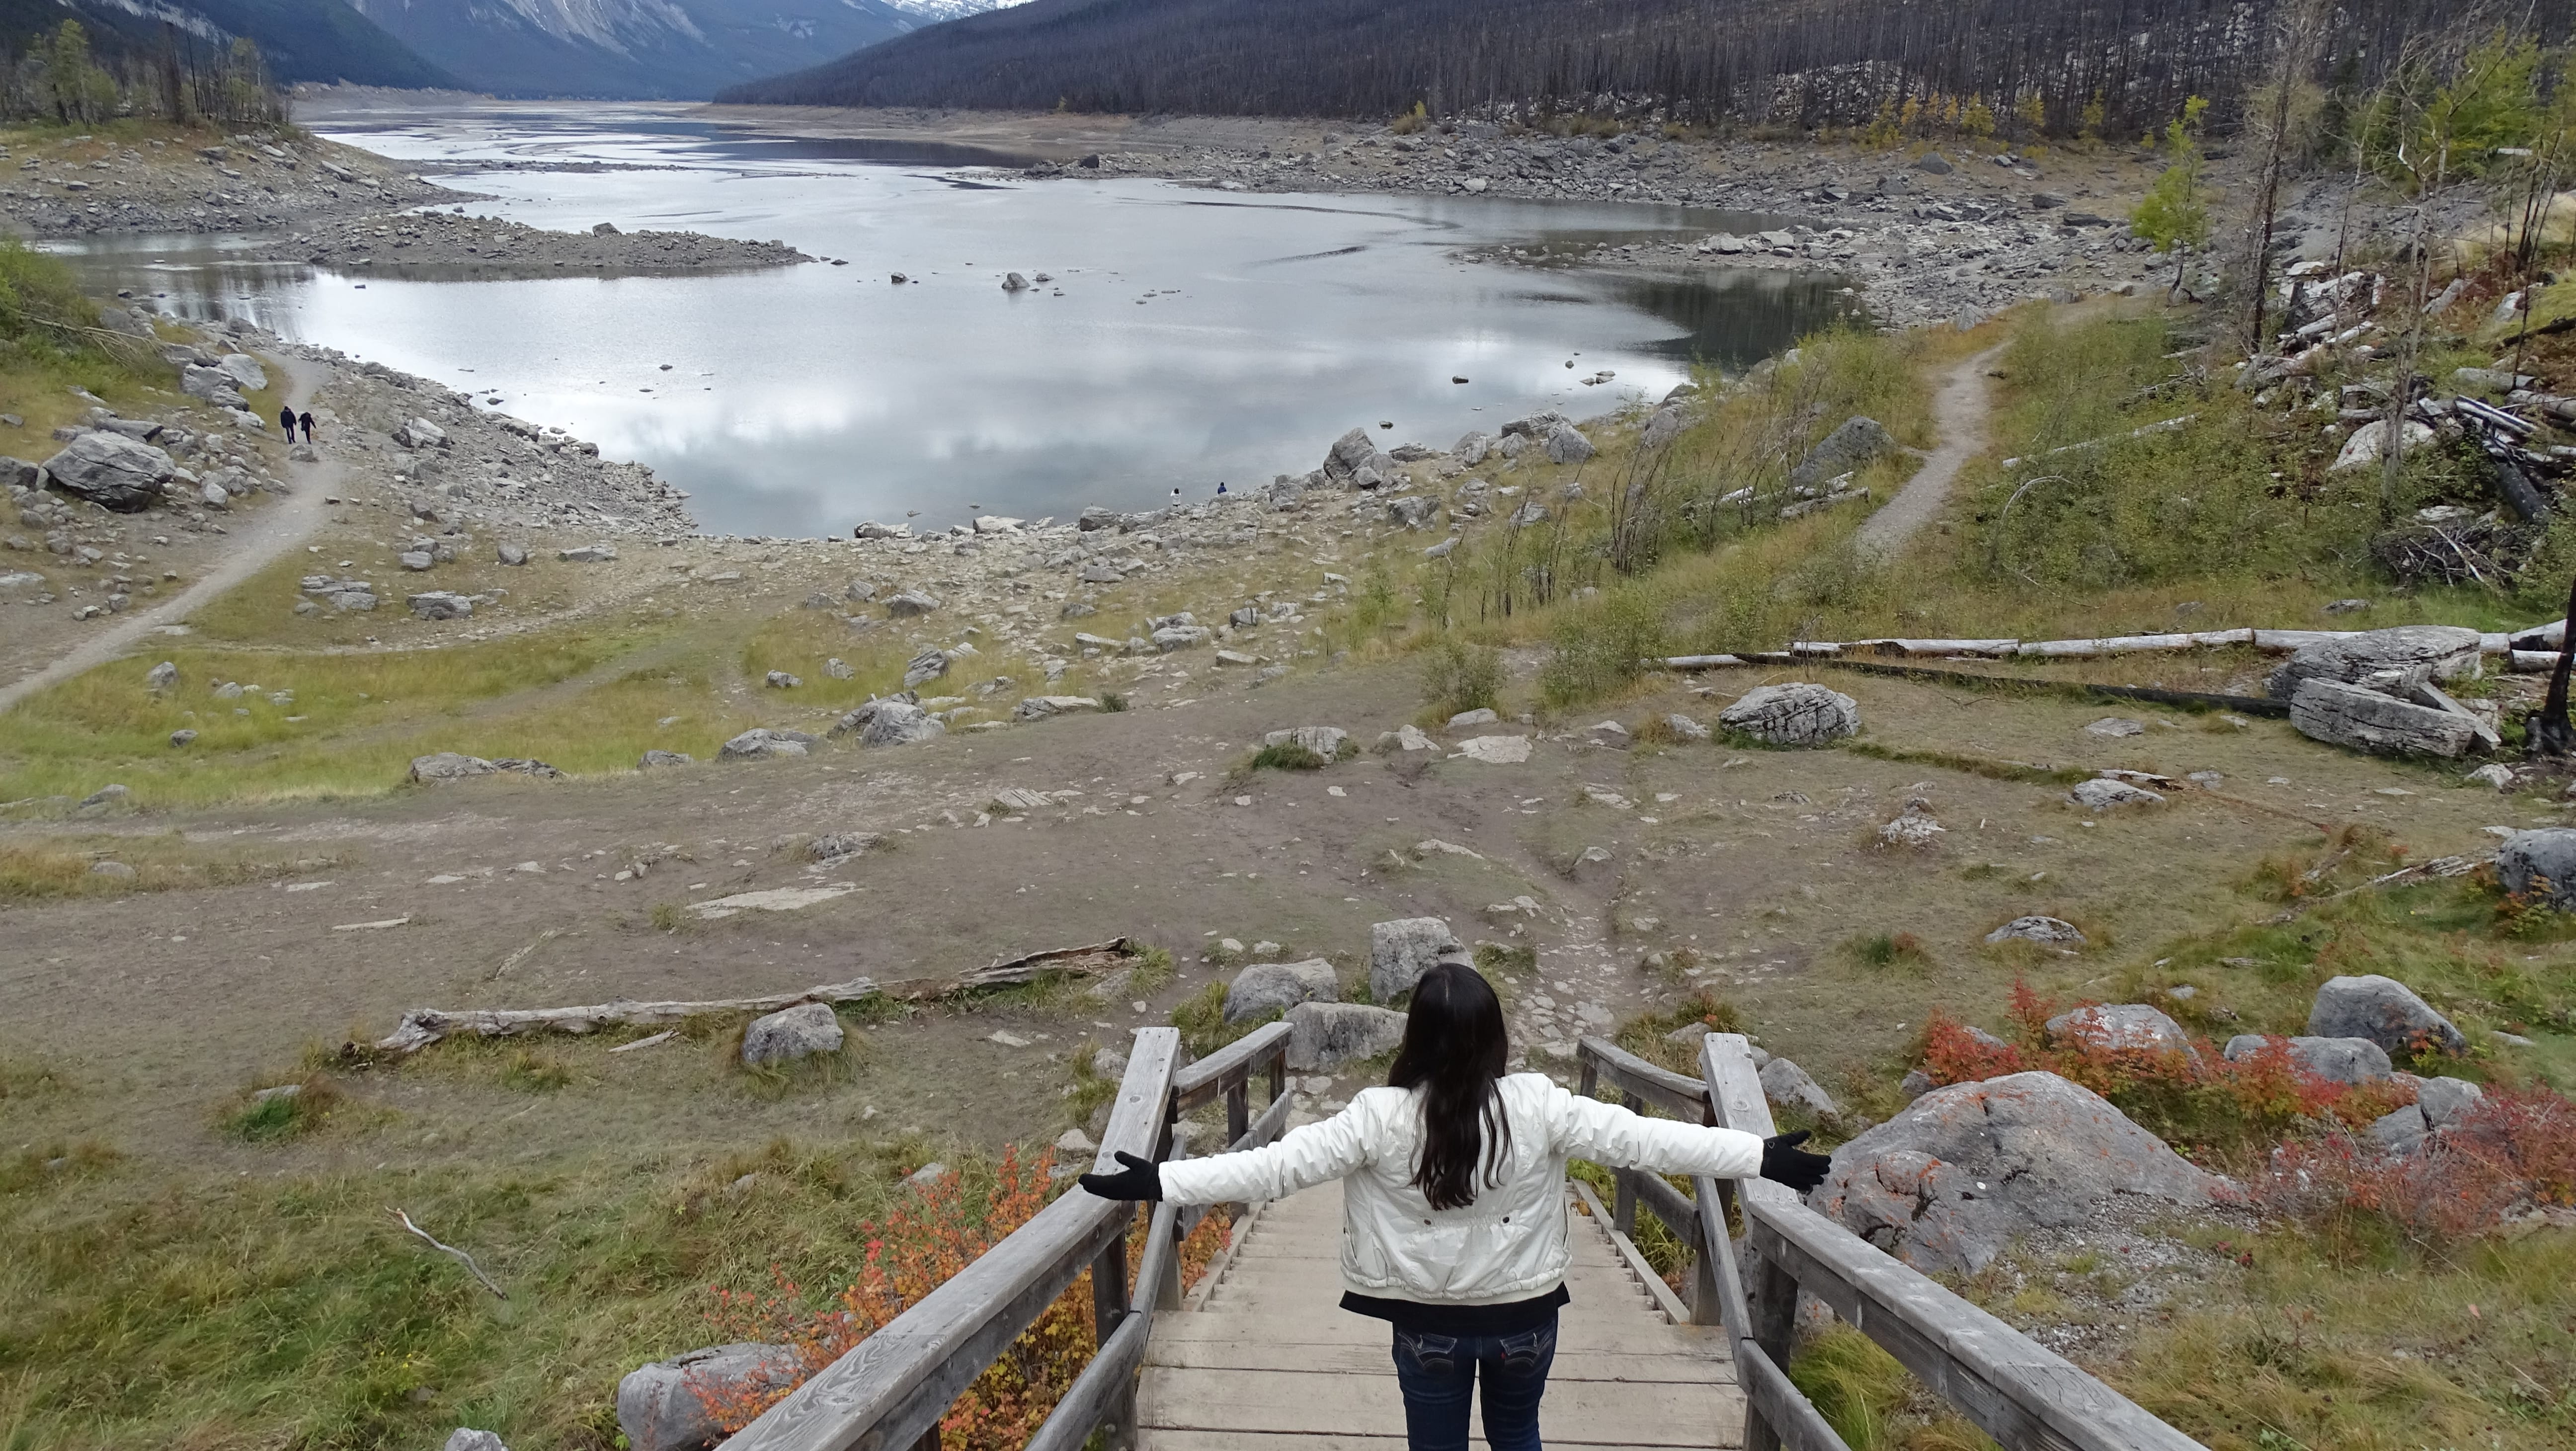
[1138, 1180]
[1783, 1162]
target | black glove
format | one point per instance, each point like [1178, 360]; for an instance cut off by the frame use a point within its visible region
[1141, 1180]
[1783, 1162]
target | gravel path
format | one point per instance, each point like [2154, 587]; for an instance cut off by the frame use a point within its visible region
[1960, 409]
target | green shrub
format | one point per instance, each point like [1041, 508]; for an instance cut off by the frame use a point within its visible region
[1461, 676]
[1600, 645]
[1286, 756]
[1201, 1019]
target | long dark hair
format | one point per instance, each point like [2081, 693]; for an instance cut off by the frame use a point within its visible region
[1454, 1050]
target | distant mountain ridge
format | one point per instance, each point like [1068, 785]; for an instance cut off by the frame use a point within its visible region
[302, 40]
[643, 49]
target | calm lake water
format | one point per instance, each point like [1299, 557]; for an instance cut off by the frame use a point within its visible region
[1189, 336]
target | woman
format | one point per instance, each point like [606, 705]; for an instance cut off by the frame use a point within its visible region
[1454, 1226]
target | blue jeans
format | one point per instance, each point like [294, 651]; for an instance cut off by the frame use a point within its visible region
[1438, 1376]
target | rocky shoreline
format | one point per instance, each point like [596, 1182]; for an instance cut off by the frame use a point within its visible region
[453, 245]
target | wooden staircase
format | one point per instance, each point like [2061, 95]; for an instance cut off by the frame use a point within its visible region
[1265, 1359]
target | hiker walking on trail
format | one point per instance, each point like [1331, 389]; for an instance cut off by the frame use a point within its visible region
[286, 421]
[307, 421]
[1454, 1212]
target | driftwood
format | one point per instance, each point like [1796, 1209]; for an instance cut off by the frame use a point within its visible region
[450, 1249]
[2517, 649]
[421, 1027]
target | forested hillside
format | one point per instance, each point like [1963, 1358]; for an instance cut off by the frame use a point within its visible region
[2122, 65]
[298, 40]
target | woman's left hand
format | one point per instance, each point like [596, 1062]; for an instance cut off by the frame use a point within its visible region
[1783, 1162]
[1138, 1180]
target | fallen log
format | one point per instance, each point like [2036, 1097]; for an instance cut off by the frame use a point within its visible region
[2512, 646]
[421, 1027]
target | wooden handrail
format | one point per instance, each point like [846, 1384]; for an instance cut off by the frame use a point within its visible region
[890, 1391]
[2025, 1396]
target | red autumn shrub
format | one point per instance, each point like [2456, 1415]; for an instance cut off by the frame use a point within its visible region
[932, 1234]
[2515, 1151]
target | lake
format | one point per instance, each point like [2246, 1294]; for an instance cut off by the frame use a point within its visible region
[1188, 336]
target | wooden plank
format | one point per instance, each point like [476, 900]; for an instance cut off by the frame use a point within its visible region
[1672, 1092]
[1178, 1439]
[1731, 1085]
[898, 1382]
[1718, 1253]
[1202, 1082]
[1736, 1101]
[1638, 1270]
[1292, 1402]
[1784, 1408]
[2015, 1389]
[1666, 1203]
[1366, 1355]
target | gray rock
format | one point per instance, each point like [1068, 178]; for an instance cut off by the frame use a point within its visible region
[911, 603]
[112, 794]
[112, 471]
[183, 737]
[761, 743]
[244, 370]
[1484, 716]
[166, 674]
[2401, 1132]
[1267, 986]
[2385, 1011]
[446, 766]
[1109, 1063]
[1784, 1082]
[1855, 442]
[1684, 728]
[1915, 1084]
[1472, 448]
[1325, 741]
[1043, 707]
[1609, 733]
[791, 1033]
[416, 560]
[927, 666]
[2126, 1026]
[1181, 637]
[1076, 1142]
[1413, 511]
[421, 433]
[842, 845]
[927, 1175]
[1689, 1034]
[840, 669]
[352, 599]
[2362, 719]
[1935, 164]
[2114, 727]
[2051, 930]
[513, 555]
[2446, 1101]
[655, 759]
[587, 554]
[1947, 1184]
[2541, 861]
[117, 871]
[1664, 427]
[466, 1438]
[2336, 1060]
[2102, 793]
[1349, 454]
[2385, 659]
[899, 723]
[1793, 714]
[1402, 950]
[658, 1406]
[198, 380]
[1567, 445]
[441, 605]
[1326, 1035]
[781, 680]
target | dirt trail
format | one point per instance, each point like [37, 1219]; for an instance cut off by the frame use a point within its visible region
[266, 538]
[1960, 411]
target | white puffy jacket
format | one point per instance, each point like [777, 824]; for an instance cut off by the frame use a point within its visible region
[1511, 1243]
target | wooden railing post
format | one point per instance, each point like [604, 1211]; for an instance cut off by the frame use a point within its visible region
[1238, 1110]
[1108, 1309]
[1736, 1100]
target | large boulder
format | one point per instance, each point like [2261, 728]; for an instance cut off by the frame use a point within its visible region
[2384, 659]
[244, 370]
[911, 604]
[900, 723]
[1278, 986]
[1787, 1084]
[791, 1033]
[1325, 741]
[1947, 1184]
[2385, 1011]
[1793, 714]
[200, 381]
[2543, 861]
[1327, 1035]
[1402, 950]
[1855, 442]
[446, 766]
[112, 471]
[927, 666]
[660, 1408]
[1567, 445]
[441, 604]
[2336, 1060]
[1350, 453]
[2128, 1027]
[2361, 719]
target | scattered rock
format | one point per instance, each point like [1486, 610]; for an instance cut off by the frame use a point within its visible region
[1325, 741]
[1567, 445]
[1042, 707]
[2127, 1027]
[161, 677]
[1787, 1084]
[1327, 1035]
[655, 759]
[113, 471]
[659, 1406]
[513, 555]
[2362, 719]
[2337, 1060]
[441, 605]
[1946, 1184]
[421, 433]
[900, 723]
[1465, 718]
[1496, 750]
[1402, 950]
[840, 669]
[910, 604]
[2444, 1102]
[1278, 986]
[1914, 828]
[1683, 728]
[2049, 930]
[114, 870]
[842, 845]
[1076, 1142]
[183, 737]
[2541, 862]
[445, 766]
[2385, 1011]
[587, 554]
[928, 665]
[1793, 714]
[762, 742]
[1855, 442]
[2104, 792]
[2114, 727]
[2387, 660]
[791, 1033]
[781, 680]
[466, 1438]
[2370, 441]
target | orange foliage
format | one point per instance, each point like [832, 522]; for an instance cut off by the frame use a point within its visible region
[2515, 1151]
[935, 1232]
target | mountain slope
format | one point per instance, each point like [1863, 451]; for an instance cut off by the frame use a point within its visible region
[303, 40]
[644, 49]
[1810, 61]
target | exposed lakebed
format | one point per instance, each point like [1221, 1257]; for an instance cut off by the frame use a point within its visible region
[1185, 336]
